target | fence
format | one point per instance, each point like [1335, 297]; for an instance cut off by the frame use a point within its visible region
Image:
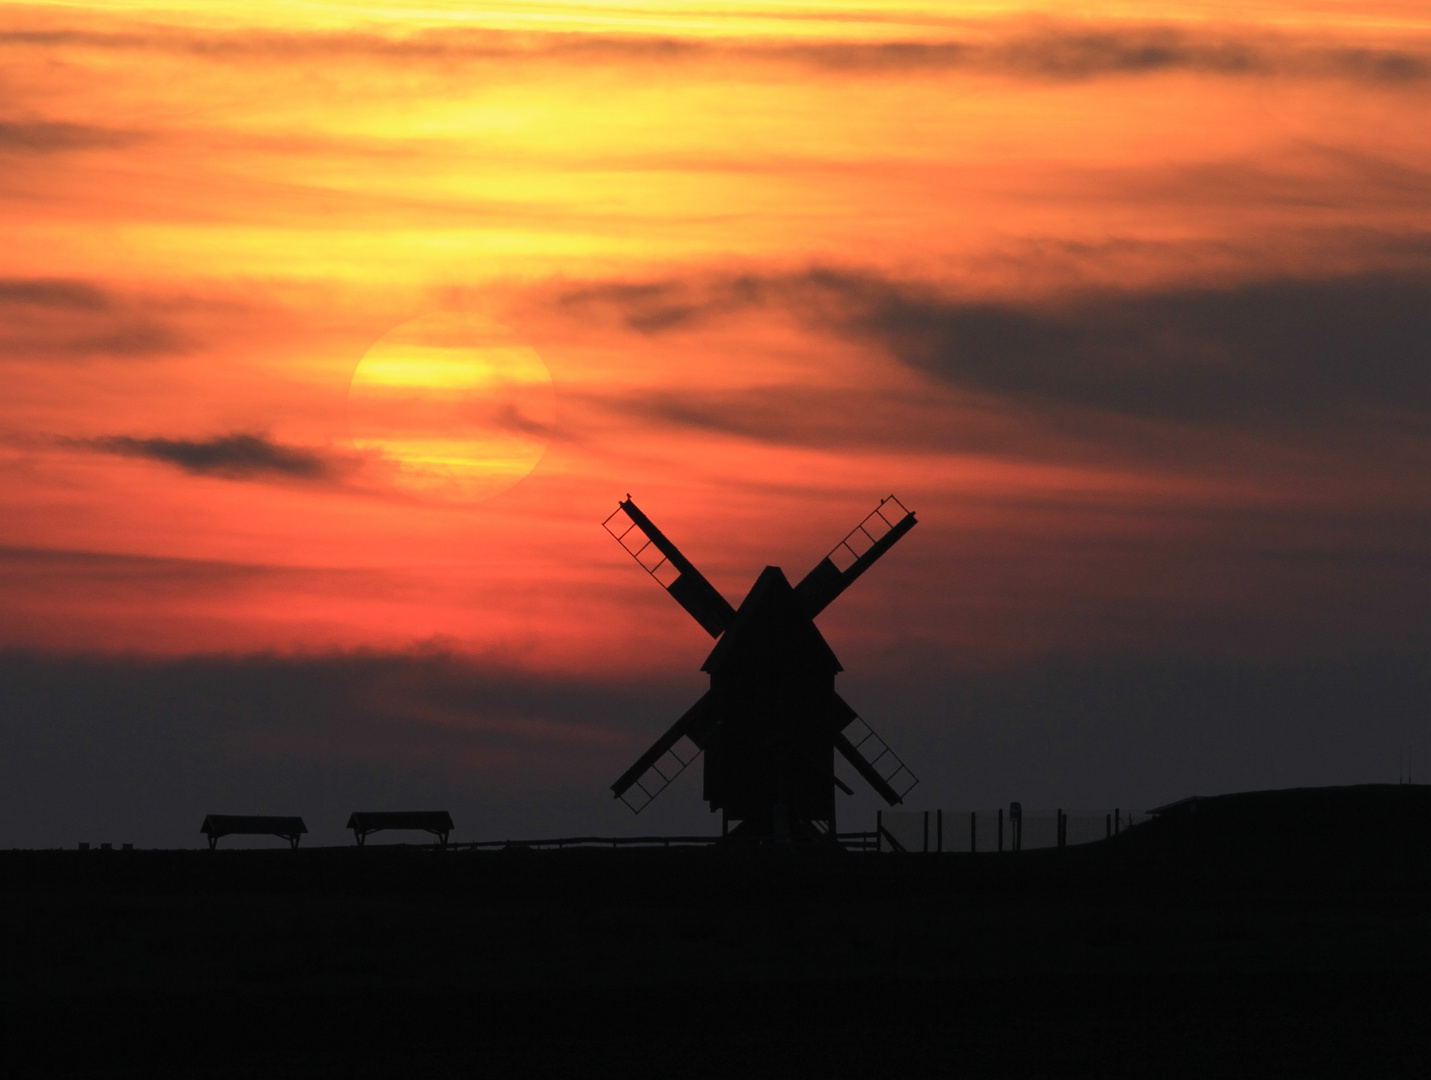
[929, 831]
[587, 841]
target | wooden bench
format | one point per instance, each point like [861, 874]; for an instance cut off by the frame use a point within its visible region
[437, 822]
[217, 825]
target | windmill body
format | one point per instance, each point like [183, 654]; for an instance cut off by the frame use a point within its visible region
[773, 686]
[771, 723]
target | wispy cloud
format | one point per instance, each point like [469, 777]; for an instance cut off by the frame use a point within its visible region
[1284, 350]
[71, 319]
[54, 293]
[1016, 49]
[50, 136]
[237, 456]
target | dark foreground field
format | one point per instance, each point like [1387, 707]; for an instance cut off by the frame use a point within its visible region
[1272, 934]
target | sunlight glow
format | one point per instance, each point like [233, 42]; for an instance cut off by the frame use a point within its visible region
[455, 409]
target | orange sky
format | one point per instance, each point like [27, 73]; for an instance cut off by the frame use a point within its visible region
[709, 222]
[1132, 308]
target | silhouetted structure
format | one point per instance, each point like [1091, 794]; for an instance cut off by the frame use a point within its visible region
[437, 822]
[771, 722]
[217, 825]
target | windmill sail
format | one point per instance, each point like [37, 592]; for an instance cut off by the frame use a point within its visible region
[871, 756]
[661, 559]
[855, 554]
[667, 758]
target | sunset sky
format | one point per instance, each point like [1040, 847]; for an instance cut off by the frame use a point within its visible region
[1133, 309]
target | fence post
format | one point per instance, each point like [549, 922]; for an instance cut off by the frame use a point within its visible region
[1001, 829]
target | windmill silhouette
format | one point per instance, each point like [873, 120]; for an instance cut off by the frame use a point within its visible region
[771, 722]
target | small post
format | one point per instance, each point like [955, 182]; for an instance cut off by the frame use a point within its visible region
[1001, 829]
[926, 832]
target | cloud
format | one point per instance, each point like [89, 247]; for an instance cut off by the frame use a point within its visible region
[1256, 352]
[105, 747]
[1046, 51]
[1077, 52]
[61, 293]
[1261, 352]
[124, 748]
[70, 319]
[48, 137]
[238, 456]
[837, 419]
[57, 569]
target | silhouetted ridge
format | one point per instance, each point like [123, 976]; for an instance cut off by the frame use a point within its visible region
[1364, 832]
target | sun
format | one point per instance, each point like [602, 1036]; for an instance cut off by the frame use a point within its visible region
[452, 406]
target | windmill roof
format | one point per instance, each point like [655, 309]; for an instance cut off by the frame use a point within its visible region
[772, 633]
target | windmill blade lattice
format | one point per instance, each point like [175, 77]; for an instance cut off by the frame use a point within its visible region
[643, 791]
[878, 756]
[860, 548]
[660, 558]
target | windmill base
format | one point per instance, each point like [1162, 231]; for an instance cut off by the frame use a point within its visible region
[779, 826]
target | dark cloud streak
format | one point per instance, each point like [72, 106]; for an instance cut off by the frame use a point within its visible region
[74, 320]
[237, 456]
[60, 293]
[48, 137]
[96, 747]
[1273, 352]
[1071, 51]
